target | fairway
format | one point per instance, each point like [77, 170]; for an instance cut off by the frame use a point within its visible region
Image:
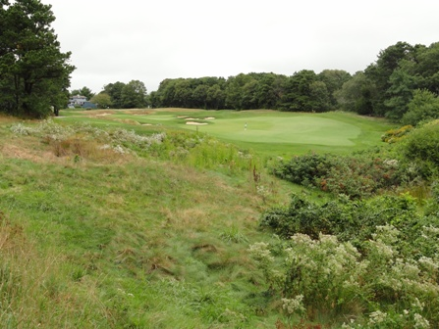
[265, 131]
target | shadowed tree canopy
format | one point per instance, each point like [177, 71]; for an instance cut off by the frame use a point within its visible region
[34, 73]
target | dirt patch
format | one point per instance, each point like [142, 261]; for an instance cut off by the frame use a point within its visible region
[139, 112]
[16, 152]
[196, 123]
[103, 113]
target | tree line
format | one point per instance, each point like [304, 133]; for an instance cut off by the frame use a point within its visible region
[303, 91]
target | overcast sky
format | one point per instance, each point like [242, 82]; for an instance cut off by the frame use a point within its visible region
[123, 40]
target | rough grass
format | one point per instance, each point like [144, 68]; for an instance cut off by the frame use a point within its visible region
[115, 242]
[92, 238]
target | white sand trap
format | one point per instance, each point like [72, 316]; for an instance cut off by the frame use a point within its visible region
[209, 118]
[190, 119]
[196, 123]
[147, 124]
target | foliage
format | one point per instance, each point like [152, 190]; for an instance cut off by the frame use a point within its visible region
[84, 91]
[355, 176]
[102, 100]
[423, 107]
[395, 135]
[355, 95]
[348, 220]
[421, 146]
[304, 91]
[34, 73]
[326, 278]
[125, 95]
[387, 87]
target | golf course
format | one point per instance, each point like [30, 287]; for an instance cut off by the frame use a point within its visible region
[176, 218]
[266, 132]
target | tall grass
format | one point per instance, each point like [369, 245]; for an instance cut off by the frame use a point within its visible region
[137, 238]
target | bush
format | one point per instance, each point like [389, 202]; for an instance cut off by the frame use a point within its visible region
[395, 135]
[304, 169]
[357, 177]
[348, 220]
[422, 143]
[377, 287]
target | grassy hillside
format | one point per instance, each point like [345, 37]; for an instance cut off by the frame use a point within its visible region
[101, 228]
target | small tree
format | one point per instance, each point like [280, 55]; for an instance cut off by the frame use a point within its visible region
[102, 100]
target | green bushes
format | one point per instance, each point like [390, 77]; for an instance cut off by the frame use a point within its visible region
[348, 220]
[331, 281]
[422, 147]
[373, 262]
[357, 177]
[395, 135]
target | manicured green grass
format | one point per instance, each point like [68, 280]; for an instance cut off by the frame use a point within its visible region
[267, 132]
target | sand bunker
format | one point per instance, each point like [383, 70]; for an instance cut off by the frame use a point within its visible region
[196, 123]
[209, 118]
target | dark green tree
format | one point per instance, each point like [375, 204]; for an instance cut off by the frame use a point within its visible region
[134, 95]
[334, 80]
[84, 91]
[356, 95]
[34, 73]
[423, 107]
[380, 72]
[115, 92]
[298, 92]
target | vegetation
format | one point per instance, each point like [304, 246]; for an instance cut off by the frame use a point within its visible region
[304, 91]
[34, 73]
[152, 226]
[133, 219]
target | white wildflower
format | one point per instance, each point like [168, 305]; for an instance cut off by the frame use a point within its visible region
[428, 263]
[421, 322]
[377, 317]
[261, 251]
[293, 305]
[391, 163]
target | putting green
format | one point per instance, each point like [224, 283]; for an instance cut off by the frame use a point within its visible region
[286, 129]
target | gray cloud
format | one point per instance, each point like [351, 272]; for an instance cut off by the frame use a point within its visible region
[153, 40]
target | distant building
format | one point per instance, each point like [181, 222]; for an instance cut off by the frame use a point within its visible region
[77, 100]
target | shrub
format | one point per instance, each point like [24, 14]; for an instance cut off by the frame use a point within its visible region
[305, 169]
[348, 220]
[357, 176]
[395, 135]
[325, 277]
[422, 144]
